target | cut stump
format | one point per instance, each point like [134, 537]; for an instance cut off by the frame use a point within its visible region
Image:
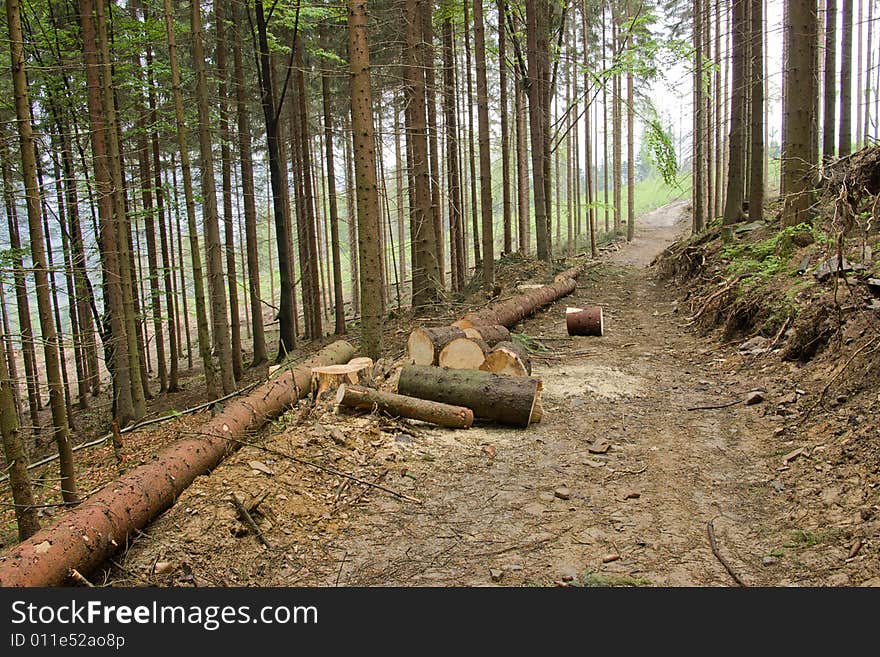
[585, 321]
[445, 415]
[326, 379]
[511, 400]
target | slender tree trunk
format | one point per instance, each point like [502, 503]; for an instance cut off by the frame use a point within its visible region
[116, 343]
[630, 160]
[846, 94]
[505, 130]
[338, 300]
[456, 250]
[616, 124]
[399, 174]
[351, 215]
[522, 169]
[182, 269]
[733, 210]
[365, 172]
[606, 212]
[485, 157]
[829, 130]
[433, 143]
[245, 154]
[38, 256]
[536, 46]
[756, 186]
[211, 379]
[699, 213]
[478, 258]
[872, 61]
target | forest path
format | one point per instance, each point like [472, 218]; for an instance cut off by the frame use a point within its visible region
[505, 505]
[545, 508]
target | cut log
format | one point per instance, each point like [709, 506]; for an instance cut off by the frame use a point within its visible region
[87, 535]
[464, 354]
[425, 344]
[508, 313]
[572, 274]
[508, 358]
[456, 417]
[585, 321]
[510, 400]
[326, 379]
[491, 335]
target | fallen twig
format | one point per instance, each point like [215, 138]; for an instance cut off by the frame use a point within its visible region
[715, 406]
[710, 526]
[79, 579]
[248, 519]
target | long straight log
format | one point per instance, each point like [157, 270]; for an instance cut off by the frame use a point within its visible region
[86, 536]
[445, 415]
[512, 311]
[512, 400]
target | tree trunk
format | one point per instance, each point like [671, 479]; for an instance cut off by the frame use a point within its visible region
[469, 101]
[511, 400]
[756, 185]
[616, 124]
[829, 127]
[485, 157]
[505, 130]
[522, 170]
[211, 381]
[427, 19]
[38, 256]
[453, 182]
[846, 95]
[799, 20]
[245, 155]
[226, 175]
[733, 210]
[365, 173]
[699, 213]
[536, 88]
[630, 160]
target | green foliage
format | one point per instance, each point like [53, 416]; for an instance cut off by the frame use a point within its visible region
[806, 538]
[765, 258]
[661, 151]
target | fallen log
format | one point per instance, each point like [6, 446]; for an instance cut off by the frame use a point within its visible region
[510, 312]
[512, 400]
[585, 321]
[425, 344]
[464, 354]
[86, 536]
[508, 358]
[445, 415]
[491, 335]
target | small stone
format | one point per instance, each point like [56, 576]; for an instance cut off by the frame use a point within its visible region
[608, 558]
[567, 578]
[754, 397]
[839, 579]
[512, 567]
[599, 446]
[777, 485]
[768, 561]
[632, 495]
[496, 574]
[789, 398]
[841, 399]
[779, 431]
[562, 493]
[576, 402]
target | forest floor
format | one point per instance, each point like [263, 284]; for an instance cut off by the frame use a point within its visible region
[617, 485]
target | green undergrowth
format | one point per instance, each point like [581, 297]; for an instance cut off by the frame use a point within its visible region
[765, 258]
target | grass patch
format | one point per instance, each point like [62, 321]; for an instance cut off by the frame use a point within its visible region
[593, 579]
[763, 259]
[806, 538]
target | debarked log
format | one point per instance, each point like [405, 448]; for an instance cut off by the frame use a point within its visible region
[512, 400]
[86, 536]
[445, 415]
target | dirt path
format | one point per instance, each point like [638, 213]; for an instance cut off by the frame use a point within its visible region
[543, 508]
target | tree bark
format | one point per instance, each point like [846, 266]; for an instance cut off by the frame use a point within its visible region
[536, 87]
[756, 184]
[485, 157]
[38, 256]
[444, 415]
[846, 94]
[699, 213]
[505, 129]
[365, 174]
[453, 182]
[733, 210]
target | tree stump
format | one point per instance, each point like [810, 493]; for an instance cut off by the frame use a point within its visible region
[508, 358]
[511, 400]
[425, 344]
[585, 321]
[464, 354]
[327, 379]
[445, 415]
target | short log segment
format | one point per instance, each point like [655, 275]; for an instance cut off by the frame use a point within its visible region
[445, 415]
[464, 354]
[425, 344]
[511, 400]
[508, 358]
[327, 379]
[85, 537]
[585, 321]
[512, 311]
[491, 335]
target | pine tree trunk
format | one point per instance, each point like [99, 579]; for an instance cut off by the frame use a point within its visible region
[505, 130]
[733, 210]
[453, 182]
[365, 173]
[522, 169]
[537, 46]
[38, 256]
[799, 20]
[433, 142]
[339, 302]
[226, 175]
[699, 214]
[260, 354]
[351, 216]
[756, 186]
[485, 157]
[181, 268]
[469, 100]
[846, 95]
[399, 173]
[211, 379]
[630, 160]
[116, 343]
[616, 125]
[870, 64]
[829, 129]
